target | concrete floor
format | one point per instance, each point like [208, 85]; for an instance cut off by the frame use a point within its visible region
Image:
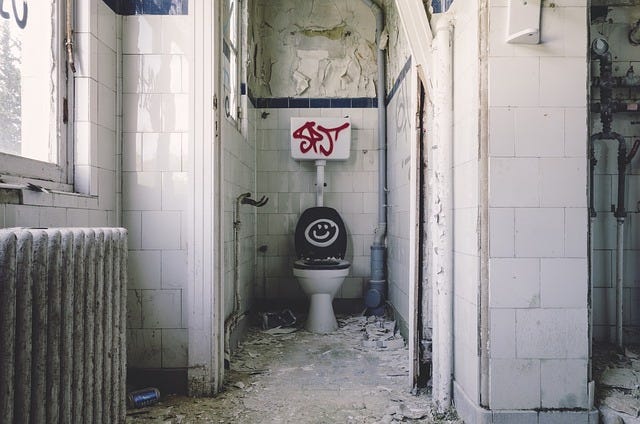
[302, 377]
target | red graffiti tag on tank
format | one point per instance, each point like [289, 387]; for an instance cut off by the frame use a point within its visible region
[312, 136]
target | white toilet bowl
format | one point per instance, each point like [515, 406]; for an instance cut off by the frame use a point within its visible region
[321, 243]
[321, 285]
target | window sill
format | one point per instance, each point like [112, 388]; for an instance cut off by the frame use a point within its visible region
[22, 194]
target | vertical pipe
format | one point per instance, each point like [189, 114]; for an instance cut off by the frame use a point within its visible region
[443, 223]
[78, 325]
[99, 329]
[619, 282]
[66, 361]
[108, 328]
[320, 164]
[24, 326]
[8, 246]
[89, 322]
[54, 282]
[380, 232]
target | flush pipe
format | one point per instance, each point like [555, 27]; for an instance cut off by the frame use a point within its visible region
[320, 164]
[441, 215]
[375, 294]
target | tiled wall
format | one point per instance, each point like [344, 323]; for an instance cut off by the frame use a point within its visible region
[97, 152]
[290, 185]
[466, 184]
[239, 164]
[351, 189]
[614, 28]
[401, 152]
[401, 163]
[156, 118]
[538, 272]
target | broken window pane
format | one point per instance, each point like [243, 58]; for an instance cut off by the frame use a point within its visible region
[28, 76]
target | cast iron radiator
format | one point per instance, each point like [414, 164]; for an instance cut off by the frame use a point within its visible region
[62, 325]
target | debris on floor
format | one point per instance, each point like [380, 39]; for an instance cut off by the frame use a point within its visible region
[382, 333]
[617, 379]
[283, 319]
[301, 377]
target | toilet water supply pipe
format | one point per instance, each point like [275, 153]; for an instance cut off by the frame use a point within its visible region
[375, 295]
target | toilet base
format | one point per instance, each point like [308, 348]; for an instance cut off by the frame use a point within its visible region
[321, 318]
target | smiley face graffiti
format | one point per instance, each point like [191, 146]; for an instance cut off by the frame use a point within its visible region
[322, 232]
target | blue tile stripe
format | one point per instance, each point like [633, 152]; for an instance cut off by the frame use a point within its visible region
[311, 103]
[149, 7]
[399, 80]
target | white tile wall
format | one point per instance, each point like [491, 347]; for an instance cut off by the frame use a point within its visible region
[563, 383]
[552, 333]
[351, 189]
[515, 383]
[515, 283]
[537, 212]
[155, 108]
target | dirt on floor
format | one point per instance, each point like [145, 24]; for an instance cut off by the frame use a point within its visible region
[359, 374]
[617, 377]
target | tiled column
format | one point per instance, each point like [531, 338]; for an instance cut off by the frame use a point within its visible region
[538, 271]
[156, 71]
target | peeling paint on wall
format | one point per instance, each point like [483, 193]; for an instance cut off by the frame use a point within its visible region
[321, 48]
[398, 50]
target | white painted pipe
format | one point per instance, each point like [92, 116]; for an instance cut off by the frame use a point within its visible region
[320, 164]
[619, 282]
[592, 221]
[442, 213]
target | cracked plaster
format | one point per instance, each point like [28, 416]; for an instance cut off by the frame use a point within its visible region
[319, 48]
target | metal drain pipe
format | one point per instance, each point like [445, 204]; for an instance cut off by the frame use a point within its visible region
[375, 294]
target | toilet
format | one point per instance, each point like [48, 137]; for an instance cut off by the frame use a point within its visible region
[320, 244]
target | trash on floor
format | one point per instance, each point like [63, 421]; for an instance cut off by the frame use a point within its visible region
[282, 319]
[617, 377]
[143, 398]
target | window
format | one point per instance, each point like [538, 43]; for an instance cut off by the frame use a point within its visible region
[33, 90]
[231, 53]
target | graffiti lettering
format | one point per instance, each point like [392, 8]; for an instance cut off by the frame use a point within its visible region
[22, 22]
[311, 135]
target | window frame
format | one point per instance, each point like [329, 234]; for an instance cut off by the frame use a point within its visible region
[236, 49]
[58, 176]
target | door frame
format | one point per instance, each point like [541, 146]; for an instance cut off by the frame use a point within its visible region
[205, 295]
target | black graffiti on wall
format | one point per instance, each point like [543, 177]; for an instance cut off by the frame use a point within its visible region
[21, 19]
